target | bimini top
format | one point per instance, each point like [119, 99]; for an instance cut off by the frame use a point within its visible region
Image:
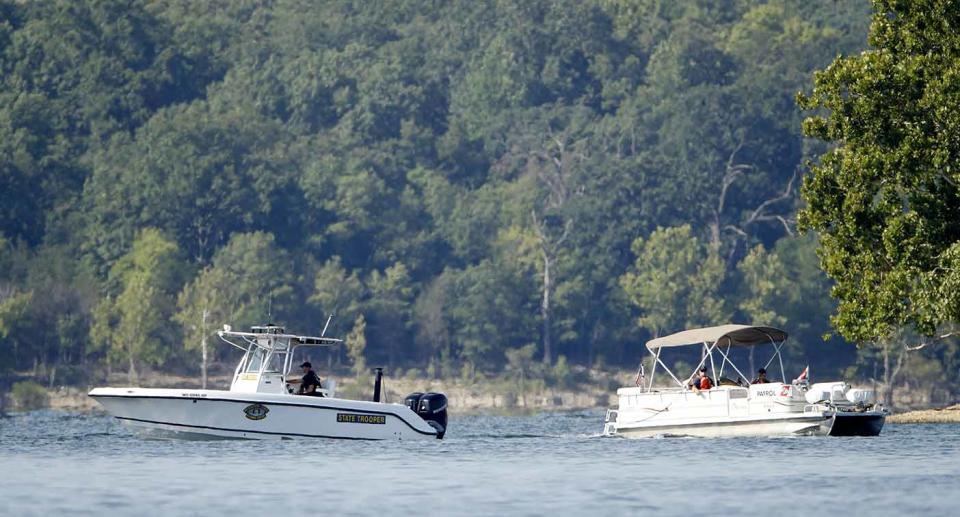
[739, 335]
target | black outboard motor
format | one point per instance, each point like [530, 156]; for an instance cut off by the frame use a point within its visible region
[413, 401]
[432, 408]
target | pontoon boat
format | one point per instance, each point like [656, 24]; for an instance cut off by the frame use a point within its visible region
[736, 407]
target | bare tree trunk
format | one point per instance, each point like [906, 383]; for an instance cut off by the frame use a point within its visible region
[132, 371]
[890, 372]
[203, 349]
[553, 171]
[523, 388]
[546, 311]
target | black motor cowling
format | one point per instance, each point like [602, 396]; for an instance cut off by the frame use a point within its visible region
[431, 407]
[413, 401]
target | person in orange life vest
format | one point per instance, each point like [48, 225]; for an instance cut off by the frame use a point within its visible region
[701, 381]
[761, 377]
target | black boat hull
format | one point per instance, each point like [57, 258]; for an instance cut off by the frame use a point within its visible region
[850, 423]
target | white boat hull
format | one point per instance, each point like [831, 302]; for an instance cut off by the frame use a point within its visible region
[224, 414]
[804, 425]
[772, 409]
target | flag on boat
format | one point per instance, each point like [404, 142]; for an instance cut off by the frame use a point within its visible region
[641, 378]
[804, 374]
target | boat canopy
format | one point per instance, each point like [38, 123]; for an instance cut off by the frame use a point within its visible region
[723, 335]
[272, 337]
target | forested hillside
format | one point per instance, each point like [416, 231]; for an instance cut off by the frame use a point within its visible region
[465, 185]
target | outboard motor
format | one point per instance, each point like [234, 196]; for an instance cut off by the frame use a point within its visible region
[413, 401]
[432, 408]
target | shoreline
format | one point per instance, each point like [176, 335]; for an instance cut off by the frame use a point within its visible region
[464, 398]
[944, 415]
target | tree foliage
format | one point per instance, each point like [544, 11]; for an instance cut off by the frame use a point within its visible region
[470, 177]
[884, 197]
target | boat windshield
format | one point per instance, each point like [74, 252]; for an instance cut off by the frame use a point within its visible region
[274, 364]
[254, 361]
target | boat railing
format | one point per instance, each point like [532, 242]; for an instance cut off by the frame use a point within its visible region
[815, 408]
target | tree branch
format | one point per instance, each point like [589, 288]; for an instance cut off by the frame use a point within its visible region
[924, 344]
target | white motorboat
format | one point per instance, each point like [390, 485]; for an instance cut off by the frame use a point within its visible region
[261, 404]
[738, 408]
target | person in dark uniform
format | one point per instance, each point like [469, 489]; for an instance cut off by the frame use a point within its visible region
[310, 383]
[701, 381]
[761, 377]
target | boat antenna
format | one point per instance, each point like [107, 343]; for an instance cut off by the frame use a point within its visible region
[324, 332]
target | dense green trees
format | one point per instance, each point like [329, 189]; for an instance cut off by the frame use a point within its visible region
[466, 186]
[134, 318]
[885, 196]
[885, 199]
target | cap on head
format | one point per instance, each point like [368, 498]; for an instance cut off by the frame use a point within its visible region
[703, 368]
[762, 370]
[306, 364]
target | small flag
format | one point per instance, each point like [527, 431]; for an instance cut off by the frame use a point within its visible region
[640, 377]
[804, 374]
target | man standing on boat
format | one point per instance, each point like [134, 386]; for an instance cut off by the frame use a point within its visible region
[701, 381]
[310, 383]
[761, 377]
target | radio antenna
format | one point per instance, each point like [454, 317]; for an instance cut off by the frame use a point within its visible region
[324, 333]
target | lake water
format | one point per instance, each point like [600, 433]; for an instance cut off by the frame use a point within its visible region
[55, 463]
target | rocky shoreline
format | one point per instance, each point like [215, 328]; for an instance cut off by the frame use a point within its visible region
[947, 415]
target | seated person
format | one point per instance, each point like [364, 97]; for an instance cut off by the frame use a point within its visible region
[761, 377]
[701, 381]
[310, 383]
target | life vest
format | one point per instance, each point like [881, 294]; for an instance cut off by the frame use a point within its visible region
[705, 383]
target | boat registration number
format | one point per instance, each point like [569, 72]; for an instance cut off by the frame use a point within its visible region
[356, 418]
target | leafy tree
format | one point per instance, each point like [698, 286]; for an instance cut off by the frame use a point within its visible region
[194, 172]
[337, 292]
[760, 272]
[434, 325]
[73, 74]
[468, 176]
[148, 277]
[884, 197]
[390, 307]
[675, 282]
[356, 343]
[13, 309]
[492, 308]
[249, 282]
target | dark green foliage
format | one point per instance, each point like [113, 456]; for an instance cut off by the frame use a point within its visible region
[459, 182]
[885, 199]
[28, 396]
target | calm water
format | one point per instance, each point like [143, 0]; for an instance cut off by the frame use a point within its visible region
[83, 464]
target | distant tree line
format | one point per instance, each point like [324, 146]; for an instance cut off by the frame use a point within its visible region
[467, 186]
